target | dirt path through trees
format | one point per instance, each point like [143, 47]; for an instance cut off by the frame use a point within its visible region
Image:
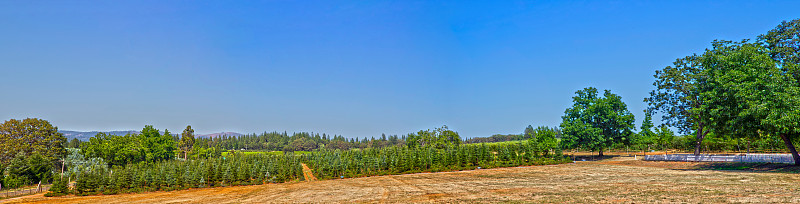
[307, 174]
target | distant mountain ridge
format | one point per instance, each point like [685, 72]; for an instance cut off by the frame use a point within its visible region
[212, 135]
[84, 136]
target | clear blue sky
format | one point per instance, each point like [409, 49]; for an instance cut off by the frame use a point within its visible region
[355, 68]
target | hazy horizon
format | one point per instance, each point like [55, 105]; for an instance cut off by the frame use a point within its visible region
[357, 69]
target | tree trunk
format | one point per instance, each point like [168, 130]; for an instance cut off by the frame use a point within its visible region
[573, 153]
[748, 146]
[699, 142]
[788, 142]
[738, 148]
[601, 153]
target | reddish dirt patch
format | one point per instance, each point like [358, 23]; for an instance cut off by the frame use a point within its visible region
[308, 174]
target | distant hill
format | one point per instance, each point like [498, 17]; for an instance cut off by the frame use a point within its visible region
[84, 136]
[218, 134]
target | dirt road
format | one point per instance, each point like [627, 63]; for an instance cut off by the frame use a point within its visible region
[582, 182]
[308, 174]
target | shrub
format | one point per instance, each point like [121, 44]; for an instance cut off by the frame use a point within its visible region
[59, 187]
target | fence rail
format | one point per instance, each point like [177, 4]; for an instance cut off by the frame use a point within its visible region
[763, 158]
[23, 191]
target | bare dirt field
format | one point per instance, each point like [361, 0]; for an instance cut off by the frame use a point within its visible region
[607, 181]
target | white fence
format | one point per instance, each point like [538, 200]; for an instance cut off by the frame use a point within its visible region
[764, 158]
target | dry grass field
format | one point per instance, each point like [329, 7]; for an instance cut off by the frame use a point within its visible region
[607, 181]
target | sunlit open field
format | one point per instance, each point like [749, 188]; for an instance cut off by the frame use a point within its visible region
[607, 181]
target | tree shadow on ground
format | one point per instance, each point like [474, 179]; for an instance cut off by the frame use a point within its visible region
[594, 157]
[748, 167]
[700, 166]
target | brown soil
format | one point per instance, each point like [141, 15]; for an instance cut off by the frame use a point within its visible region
[614, 180]
[307, 174]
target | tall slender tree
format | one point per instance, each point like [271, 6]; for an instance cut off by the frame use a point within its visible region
[646, 137]
[528, 133]
[187, 141]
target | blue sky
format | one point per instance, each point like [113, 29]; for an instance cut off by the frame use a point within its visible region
[354, 68]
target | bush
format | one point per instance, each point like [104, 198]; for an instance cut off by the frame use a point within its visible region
[89, 183]
[27, 169]
[59, 187]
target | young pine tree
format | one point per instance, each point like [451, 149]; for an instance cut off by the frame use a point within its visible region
[59, 187]
[227, 175]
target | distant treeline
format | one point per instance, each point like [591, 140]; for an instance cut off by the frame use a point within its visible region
[527, 134]
[303, 141]
[306, 141]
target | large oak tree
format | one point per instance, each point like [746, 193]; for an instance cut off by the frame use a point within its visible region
[596, 122]
[747, 94]
[28, 136]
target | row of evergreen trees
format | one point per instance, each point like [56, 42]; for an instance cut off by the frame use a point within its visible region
[400, 160]
[253, 169]
[236, 169]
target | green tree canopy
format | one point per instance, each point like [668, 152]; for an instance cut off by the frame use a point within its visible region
[747, 94]
[676, 96]
[155, 146]
[74, 143]
[28, 169]
[664, 136]
[30, 135]
[438, 138]
[545, 139]
[783, 45]
[149, 146]
[595, 122]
